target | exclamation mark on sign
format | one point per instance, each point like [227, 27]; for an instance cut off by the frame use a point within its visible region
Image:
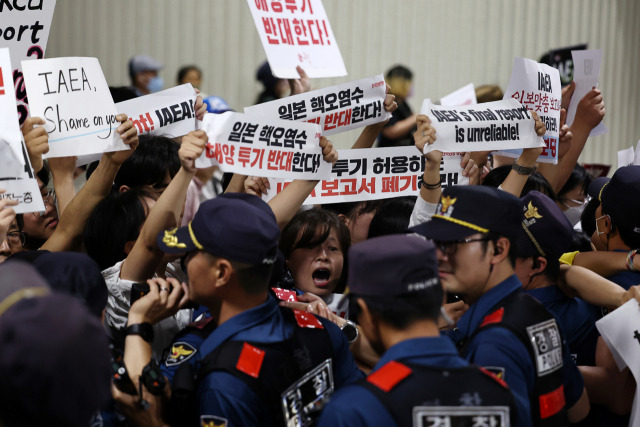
[193, 111]
[150, 121]
[324, 24]
[1, 83]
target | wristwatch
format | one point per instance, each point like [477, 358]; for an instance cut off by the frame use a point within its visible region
[522, 170]
[145, 330]
[350, 330]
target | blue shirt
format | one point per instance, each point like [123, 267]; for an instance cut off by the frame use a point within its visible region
[354, 405]
[575, 319]
[499, 347]
[223, 395]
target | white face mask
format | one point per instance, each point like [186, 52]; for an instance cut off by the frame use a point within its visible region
[573, 214]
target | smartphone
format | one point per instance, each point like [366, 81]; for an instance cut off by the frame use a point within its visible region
[138, 290]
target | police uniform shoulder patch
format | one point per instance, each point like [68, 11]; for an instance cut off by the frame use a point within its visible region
[213, 421]
[547, 346]
[180, 352]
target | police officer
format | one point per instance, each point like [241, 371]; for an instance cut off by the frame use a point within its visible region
[545, 235]
[420, 379]
[474, 229]
[261, 364]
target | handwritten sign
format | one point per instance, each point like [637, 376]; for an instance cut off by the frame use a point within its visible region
[335, 109]
[24, 29]
[169, 112]
[376, 173]
[249, 145]
[466, 95]
[537, 87]
[72, 96]
[16, 173]
[483, 127]
[586, 73]
[297, 32]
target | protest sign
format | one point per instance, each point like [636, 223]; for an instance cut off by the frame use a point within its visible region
[483, 127]
[562, 60]
[596, 170]
[24, 29]
[537, 87]
[16, 174]
[335, 109]
[586, 73]
[72, 96]
[629, 156]
[621, 333]
[169, 112]
[297, 32]
[466, 95]
[250, 145]
[376, 173]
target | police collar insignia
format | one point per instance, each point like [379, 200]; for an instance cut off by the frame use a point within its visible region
[180, 352]
[213, 421]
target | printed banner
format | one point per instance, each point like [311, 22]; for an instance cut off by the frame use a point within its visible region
[335, 109]
[466, 95]
[483, 127]
[586, 73]
[297, 32]
[24, 29]
[621, 333]
[16, 174]
[72, 96]
[169, 112]
[376, 173]
[250, 145]
[537, 87]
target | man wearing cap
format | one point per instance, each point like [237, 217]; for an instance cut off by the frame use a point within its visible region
[143, 71]
[54, 363]
[262, 364]
[618, 222]
[420, 379]
[474, 229]
[546, 234]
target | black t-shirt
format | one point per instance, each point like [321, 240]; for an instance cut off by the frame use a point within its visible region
[402, 112]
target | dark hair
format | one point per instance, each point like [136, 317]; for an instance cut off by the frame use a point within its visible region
[579, 177]
[399, 71]
[392, 217]
[402, 310]
[44, 173]
[182, 72]
[314, 226]
[581, 242]
[553, 269]
[353, 209]
[116, 220]
[535, 181]
[149, 164]
[588, 217]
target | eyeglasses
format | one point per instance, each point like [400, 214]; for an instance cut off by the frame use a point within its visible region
[48, 199]
[450, 248]
[15, 239]
[577, 203]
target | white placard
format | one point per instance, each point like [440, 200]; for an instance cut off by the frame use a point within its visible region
[586, 73]
[335, 109]
[24, 188]
[169, 112]
[537, 87]
[466, 95]
[72, 96]
[297, 32]
[24, 29]
[483, 127]
[10, 134]
[620, 330]
[251, 145]
[629, 156]
[376, 173]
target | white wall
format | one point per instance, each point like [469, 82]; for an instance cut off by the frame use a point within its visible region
[447, 43]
